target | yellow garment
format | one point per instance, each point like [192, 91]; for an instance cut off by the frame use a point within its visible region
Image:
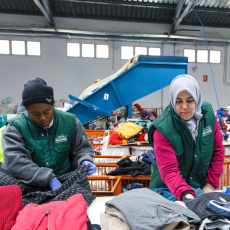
[129, 129]
[1, 151]
[128, 65]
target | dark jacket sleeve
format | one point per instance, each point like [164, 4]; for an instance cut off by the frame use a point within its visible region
[81, 149]
[18, 162]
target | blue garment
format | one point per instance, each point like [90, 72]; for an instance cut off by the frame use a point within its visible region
[126, 188]
[148, 157]
[221, 208]
[227, 191]
[166, 193]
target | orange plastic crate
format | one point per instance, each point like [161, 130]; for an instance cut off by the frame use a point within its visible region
[95, 137]
[224, 178]
[105, 185]
[104, 168]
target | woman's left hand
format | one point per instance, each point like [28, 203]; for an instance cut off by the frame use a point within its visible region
[208, 188]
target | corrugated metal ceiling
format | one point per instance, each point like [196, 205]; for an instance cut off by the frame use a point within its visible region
[211, 12]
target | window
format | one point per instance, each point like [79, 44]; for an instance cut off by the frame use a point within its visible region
[215, 56]
[88, 50]
[141, 50]
[202, 56]
[4, 47]
[73, 49]
[102, 51]
[18, 47]
[191, 54]
[126, 52]
[33, 48]
[154, 51]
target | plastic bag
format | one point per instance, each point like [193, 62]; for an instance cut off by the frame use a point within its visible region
[105, 142]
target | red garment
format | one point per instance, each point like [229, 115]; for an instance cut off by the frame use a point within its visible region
[70, 214]
[224, 125]
[141, 137]
[116, 139]
[168, 165]
[10, 205]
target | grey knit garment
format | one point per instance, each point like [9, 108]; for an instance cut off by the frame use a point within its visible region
[199, 205]
[144, 209]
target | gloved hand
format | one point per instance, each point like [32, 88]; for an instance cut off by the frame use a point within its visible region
[93, 167]
[55, 184]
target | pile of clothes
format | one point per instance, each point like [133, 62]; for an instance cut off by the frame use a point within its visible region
[136, 165]
[223, 117]
[53, 215]
[43, 207]
[147, 210]
[129, 131]
[149, 114]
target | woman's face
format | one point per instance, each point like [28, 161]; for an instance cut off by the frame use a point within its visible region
[185, 105]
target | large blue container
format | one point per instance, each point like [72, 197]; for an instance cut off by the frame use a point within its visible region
[150, 74]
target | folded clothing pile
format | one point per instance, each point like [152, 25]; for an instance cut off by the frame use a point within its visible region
[134, 168]
[126, 133]
[146, 210]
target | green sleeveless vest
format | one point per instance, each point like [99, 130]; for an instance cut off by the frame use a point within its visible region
[193, 157]
[48, 148]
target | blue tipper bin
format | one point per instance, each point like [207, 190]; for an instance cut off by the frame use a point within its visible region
[150, 74]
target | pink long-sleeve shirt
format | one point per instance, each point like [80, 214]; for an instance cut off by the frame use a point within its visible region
[168, 165]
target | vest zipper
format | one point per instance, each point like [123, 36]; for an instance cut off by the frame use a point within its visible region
[47, 134]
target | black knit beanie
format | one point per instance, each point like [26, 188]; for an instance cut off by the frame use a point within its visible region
[37, 91]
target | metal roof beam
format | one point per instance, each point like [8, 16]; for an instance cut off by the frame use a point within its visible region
[114, 3]
[50, 32]
[178, 10]
[48, 8]
[189, 6]
[46, 14]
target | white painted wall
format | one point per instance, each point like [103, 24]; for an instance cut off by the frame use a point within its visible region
[69, 75]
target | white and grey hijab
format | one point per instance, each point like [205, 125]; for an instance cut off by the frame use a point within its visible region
[188, 83]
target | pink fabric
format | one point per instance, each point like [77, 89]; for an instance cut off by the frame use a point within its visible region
[168, 165]
[70, 214]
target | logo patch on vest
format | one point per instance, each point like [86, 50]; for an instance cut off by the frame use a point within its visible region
[61, 138]
[207, 130]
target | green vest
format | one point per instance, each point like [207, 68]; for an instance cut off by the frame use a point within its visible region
[193, 157]
[48, 147]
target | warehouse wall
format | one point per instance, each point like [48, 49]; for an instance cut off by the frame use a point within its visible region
[68, 75]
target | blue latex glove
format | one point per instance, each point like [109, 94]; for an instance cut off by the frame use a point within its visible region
[93, 167]
[55, 184]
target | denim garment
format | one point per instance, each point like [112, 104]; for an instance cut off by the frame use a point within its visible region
[126, 187]
[221, 208]
[166, 193]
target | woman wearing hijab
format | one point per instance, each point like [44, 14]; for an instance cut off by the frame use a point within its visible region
[187, 142]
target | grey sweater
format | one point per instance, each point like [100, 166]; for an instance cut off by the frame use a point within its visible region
[18, 162]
